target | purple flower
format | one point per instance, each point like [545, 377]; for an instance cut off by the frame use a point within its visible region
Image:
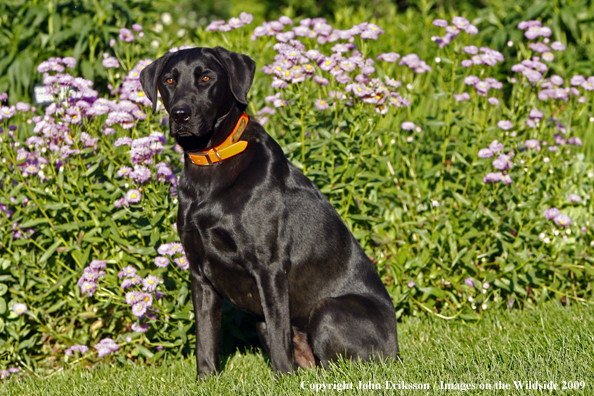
[127, 272]
[469, 282]
[141, 174]
[136, 27]
[577, 80]
[106, 346]
[575, 141]
[246, 18]
[574, 198]
[539, 47]
[182, 262]
[170, 249]
[558, 46]
[23, 107]
[532, 75]
[502, 162]
[88, 288]
[150, 283]
[390, 57]
[411, 284]
[343, 78]
[140, 328]
[557, 80]
[133, 196]
[129, 282]
[123, 141]
[462, 97]
[440, 22]
[126, 35]
[407, 126]
[485, 153]
[321, 104]
[493, 101]
[110, 62]
[492, 177]
[80, 348]
[161, 261]
[124, 171]
[533, 144]
[551, 213]
[496, 146]
[471, 49]
[139, 309]
[471, 29]
[97, 264]
[471, 80]
[19, 308]
[562, 220]
[505, 125]
[588, 85]
[535, 114]
[14, 370]
[321, 80]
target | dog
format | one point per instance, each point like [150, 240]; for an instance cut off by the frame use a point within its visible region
[258, 232]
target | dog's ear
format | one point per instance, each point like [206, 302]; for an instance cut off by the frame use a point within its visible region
[240, 69]
[149, 78]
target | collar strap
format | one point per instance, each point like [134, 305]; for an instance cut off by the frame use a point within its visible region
[230, 147]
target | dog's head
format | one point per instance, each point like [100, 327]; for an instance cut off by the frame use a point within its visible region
[200, 88]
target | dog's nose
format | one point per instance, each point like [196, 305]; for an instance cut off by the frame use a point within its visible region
[181, 114]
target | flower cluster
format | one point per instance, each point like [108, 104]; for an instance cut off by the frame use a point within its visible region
[233, 23]
[76, 348]
[18, 232]
[294, 64]
[6, 373]
[559, 218]
[482, 87]
[458, 25]
[488, 56]
[131, 277]
[91, 274]
[106, 346]
[140, 302]
[502, 163]
[414, 63]
[173, 249]
[317, 28]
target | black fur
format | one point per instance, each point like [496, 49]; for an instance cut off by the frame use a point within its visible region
[259, 233]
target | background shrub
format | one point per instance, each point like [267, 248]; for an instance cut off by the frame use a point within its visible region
[88, 183]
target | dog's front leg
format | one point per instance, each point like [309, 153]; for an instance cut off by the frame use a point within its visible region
[207, 310]
[273, 287]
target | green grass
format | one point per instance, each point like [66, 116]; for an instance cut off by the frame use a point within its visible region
[550, 343]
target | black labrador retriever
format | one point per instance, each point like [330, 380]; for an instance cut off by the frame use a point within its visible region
[259, 233]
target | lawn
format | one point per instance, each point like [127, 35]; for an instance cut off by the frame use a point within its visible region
[550, 344]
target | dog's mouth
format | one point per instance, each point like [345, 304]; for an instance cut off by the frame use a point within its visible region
[192, 128]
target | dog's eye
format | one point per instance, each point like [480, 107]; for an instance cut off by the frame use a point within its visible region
[169, 81]
[205, 78]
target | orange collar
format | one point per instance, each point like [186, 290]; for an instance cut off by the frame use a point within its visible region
[230, 147]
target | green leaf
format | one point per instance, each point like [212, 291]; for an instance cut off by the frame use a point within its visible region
[49, 251]
[145, 352]
[2, 305]
[3, 289]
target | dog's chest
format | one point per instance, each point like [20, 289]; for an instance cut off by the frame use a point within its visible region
[224, 264]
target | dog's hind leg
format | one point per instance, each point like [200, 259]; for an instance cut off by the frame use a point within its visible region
[353, 326]
[303, 353]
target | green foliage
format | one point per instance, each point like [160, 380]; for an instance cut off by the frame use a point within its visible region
[444, 241]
